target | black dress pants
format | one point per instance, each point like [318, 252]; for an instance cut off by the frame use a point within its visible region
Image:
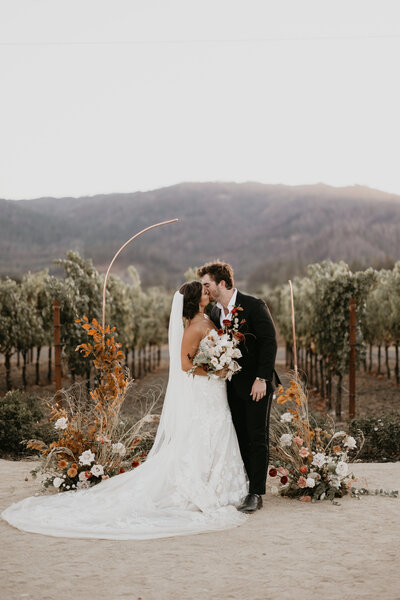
[251, 421]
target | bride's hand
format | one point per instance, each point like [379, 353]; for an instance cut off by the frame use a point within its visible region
[222, 373]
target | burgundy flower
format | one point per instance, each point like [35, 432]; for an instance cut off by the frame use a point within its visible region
[273, 472]
[121, 470]
[227, 322]
[239, 336]
[284, 479]
[135, 463]
[234, 310]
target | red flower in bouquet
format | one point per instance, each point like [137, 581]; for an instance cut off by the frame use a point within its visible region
[227, 323]
[88, 474]
[239, 336]
[234, 310]
[121, 470]
[273, 472]
[284, 480]
[220, 332]
[303, 469]
[135, 463]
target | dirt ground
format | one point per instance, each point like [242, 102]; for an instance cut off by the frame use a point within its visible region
[287, 550]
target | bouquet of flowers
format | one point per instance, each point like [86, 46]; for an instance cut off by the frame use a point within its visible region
[310, 463]
[218, 350]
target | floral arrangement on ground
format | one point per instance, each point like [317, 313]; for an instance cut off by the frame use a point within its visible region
[311, 463]
[92, 443]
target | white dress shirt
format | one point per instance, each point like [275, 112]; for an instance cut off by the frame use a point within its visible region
[230, 307]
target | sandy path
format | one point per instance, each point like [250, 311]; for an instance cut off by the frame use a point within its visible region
[287, 550]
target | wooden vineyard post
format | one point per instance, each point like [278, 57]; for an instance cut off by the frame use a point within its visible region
[352, 360]
[57, 348]
[294, 331]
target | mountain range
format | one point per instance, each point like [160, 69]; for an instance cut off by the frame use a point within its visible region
[269, 233]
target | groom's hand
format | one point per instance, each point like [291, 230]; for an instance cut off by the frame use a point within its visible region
[258, 390]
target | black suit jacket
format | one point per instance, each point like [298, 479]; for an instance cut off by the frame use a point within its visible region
[259, 346]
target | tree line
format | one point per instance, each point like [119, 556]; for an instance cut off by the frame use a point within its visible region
[26, 318]
[322, 323]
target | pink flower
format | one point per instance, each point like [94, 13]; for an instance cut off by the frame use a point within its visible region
[305, 499]
[298, 440]
[283, 471]
[302, 482]
[304, 452]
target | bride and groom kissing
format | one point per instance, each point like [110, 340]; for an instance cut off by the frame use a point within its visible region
[208, 465]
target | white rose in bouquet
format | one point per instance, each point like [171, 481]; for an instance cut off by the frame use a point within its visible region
[86, 458]
[97, 470]
[119, 448]
[342, 468]
[286, 439]
[61, 423]
[57, 481]
[350, 443]
[319, 459]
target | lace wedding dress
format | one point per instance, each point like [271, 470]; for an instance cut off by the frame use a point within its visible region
[191, 482]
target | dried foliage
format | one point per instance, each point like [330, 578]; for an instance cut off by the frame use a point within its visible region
[93, 442]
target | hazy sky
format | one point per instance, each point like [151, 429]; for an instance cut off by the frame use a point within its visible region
[102, 96]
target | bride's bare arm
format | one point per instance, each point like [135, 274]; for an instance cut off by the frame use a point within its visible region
[190, 343]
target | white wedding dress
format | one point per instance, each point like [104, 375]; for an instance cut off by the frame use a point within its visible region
[191, 482]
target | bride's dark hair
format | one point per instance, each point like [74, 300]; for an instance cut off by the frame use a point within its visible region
[192, 292]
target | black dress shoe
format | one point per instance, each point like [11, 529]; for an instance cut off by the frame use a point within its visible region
[251, 503]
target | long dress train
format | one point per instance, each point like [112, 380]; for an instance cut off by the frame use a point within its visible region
[189, 486]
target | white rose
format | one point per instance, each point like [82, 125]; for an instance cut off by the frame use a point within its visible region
[97, 470]
[61, 423]
[86, 458]
[319, 459]
[236, 353]
[82, 476]
[274, 491]
[57, 481]
[310, 482]
[286, 417]
[342, 468]
[82, 485]
[350, 442]
[286, 439]
[118, 448]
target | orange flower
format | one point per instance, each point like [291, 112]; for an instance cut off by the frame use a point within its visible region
[282, 399]
[74, 466]
[72, 472]
[62, 464]
[337, 449]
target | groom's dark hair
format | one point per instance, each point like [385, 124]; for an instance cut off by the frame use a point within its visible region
[218, 271]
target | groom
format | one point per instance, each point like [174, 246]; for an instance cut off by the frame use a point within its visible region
[250, 390]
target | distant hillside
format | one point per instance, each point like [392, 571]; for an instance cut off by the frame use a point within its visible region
[267, 232]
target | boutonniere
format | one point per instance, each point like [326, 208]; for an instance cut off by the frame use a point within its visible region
[232, 326]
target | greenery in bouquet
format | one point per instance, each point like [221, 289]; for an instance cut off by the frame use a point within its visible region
[309, 463]
[91, 442]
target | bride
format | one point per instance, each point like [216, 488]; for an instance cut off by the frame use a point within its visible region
[193, 478]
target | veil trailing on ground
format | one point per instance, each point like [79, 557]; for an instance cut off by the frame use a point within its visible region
[190, 483]
[172, 425]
